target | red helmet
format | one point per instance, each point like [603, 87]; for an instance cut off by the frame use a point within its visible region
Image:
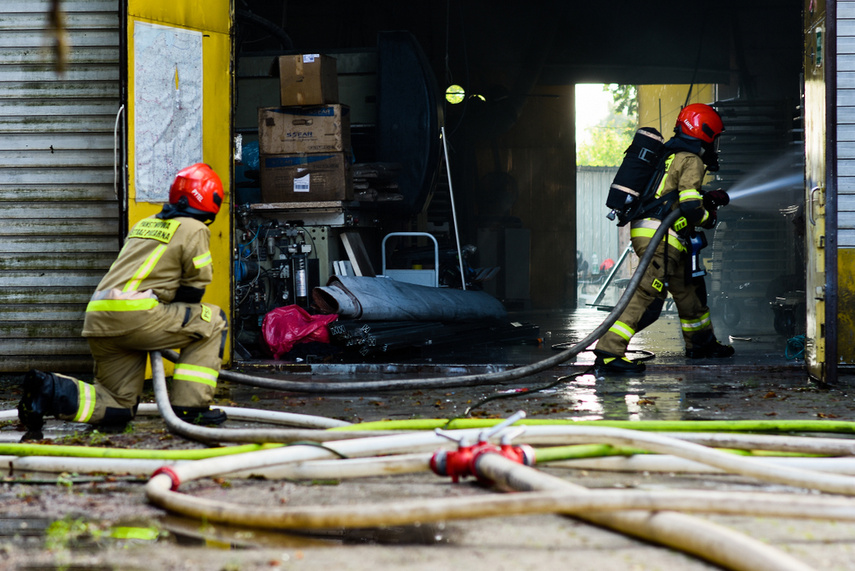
[699, 121]
[197, 190]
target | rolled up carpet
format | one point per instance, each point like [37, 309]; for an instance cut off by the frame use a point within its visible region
[382, 298]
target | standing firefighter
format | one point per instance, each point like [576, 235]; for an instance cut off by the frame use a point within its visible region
[690, 153]
[150, 300]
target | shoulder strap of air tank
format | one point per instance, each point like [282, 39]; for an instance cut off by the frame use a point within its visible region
[656, 207]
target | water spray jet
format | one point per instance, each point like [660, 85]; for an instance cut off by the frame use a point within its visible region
[745, 189]
[775, 184]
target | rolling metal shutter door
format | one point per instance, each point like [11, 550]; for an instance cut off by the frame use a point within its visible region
[846, 124]
[59, 213]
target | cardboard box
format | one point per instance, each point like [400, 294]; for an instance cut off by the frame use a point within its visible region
[318, 177]
[307, 79]
[316, 129]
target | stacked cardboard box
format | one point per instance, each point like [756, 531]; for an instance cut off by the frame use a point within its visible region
[304, 144]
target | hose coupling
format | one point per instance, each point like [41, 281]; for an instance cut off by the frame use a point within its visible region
[173, 476]
[520, 453]
[456, 463]
[461, 463]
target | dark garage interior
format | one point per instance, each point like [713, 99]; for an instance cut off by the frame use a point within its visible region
[510, 143]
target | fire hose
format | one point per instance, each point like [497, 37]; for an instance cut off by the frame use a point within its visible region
[464, 380]
[543, 493]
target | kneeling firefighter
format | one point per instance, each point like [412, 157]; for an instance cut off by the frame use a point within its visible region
[690, 153]
[149, 300]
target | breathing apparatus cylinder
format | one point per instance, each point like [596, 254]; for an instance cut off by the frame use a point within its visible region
[634, 175]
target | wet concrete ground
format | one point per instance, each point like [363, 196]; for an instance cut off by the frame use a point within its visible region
[760, 382]
[764, 379]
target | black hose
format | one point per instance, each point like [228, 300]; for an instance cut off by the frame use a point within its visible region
[280, 34]
[465, 380]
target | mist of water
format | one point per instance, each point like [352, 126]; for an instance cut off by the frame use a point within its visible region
[772, 186]
[775, 187]
[783, 182]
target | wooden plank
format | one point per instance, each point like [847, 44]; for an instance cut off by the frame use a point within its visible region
[357, 254]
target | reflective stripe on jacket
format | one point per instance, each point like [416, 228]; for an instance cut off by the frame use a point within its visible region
[158, 257]
[684, 175]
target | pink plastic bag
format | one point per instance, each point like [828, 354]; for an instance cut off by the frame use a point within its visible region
[287, 326]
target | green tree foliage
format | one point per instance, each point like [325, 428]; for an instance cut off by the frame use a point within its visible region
[614, 134]
[625, 98]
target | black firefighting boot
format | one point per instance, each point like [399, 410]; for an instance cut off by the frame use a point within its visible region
[711, 350]
[610, 363]
[45, 394]
[201, 415]
[115, 420]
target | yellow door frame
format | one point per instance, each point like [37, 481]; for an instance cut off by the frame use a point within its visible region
[214, 23]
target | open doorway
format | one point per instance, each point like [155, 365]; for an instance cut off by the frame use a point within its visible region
[755, 258]
[606, 118]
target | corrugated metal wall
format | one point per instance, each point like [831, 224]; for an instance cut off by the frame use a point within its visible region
[59, 214]
[846, 123]
[595, 234]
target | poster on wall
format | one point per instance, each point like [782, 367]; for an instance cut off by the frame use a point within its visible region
[167, 106]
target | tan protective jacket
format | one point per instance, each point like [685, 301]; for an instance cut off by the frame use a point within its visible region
[159, 256]
[685, 177]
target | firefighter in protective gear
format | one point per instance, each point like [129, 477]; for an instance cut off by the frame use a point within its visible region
[149, 300]
[691, 153]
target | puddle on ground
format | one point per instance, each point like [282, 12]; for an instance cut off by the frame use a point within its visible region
[193, 532]
[80, 534]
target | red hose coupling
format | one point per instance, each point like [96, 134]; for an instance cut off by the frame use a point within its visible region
[521, 454]
[459, 463]
[176, 481]
[454, 463]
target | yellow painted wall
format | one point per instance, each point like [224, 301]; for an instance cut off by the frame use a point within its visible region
[659, 105]
[214, 19]
[846, 305]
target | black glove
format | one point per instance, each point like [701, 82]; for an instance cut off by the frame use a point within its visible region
[709, 223]
[715, 198]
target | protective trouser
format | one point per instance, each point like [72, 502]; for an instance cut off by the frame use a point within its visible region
[198, 330]
[646, 304]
